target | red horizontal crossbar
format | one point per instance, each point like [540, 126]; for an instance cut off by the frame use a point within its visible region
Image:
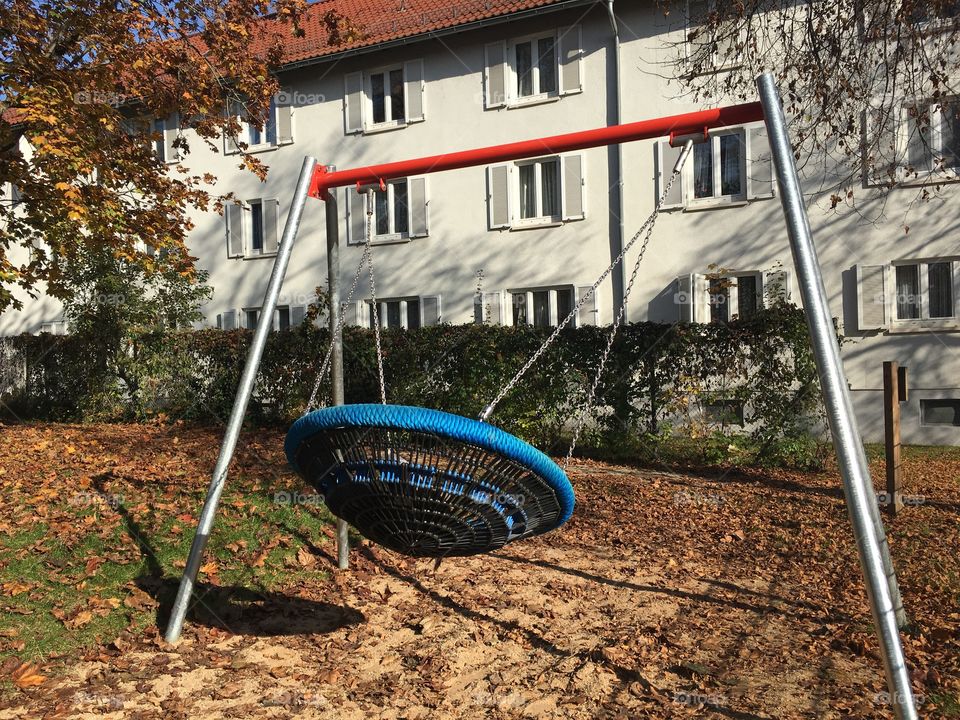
[687, 123]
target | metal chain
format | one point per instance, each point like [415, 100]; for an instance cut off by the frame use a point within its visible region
[373, 297]
[325, 367]
[646, 227]
[591, 395]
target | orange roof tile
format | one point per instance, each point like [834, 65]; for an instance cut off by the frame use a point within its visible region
[382, 21]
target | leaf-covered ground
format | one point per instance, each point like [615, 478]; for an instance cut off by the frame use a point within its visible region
[716, 594]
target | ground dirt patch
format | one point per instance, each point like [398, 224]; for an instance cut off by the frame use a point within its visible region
[720, 594]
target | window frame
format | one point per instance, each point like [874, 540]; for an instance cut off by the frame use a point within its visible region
[900, 110]
[247, 128]
[392, 235]
[732, 293]
[935, 142]
[539, 220]
[513, 97]
[249, 252]
[924, 321]
[715, 65]
[367, 98]
[688, 190]
[553, 304]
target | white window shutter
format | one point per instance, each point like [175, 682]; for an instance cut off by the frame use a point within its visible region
[430, 310]
[495, 75]
[760, 168]
[356, 216]
[571, 57]
[701, 298]
[572, 188]
[353, 102]
[234, 223]
[498, 196]
[488, 308]
[349, 313]
[587, 314]
[171, 129]
[413, 90]
[298, 314]
[873, 291]
[667, 157]
[271, 223]
[230, 320]
[881, 144]
[284, 124]
[776, 288]
[419, 207]
[684, 299]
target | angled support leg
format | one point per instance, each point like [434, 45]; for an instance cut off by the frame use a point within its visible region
[235, 423]
[869, 534]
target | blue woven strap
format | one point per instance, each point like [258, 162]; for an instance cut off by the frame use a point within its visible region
[453, 427]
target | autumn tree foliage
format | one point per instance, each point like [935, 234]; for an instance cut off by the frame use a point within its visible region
[81, 82]
[870, 86]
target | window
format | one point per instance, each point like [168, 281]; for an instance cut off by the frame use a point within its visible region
[732, 166]
[935, 13]
[408, 313]
[924, 291]
[400, 212]
[724, 412]
[545, 307]
[58, 327]
[276, 131]
[385, 93]
[712, 50]
[391, 210]
[736, 296]
[253, 228]
[285, 317]
[907, 295]
[718, 168]
[533, 69]
[164, 133]
[541, 307]
[940, 412]
[933, 137]
[913, 143]
[536, 192]
[539, 190]
[534, 65]
[722, 297]
[384, 98]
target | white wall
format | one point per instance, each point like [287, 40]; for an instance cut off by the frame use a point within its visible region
[748, 237]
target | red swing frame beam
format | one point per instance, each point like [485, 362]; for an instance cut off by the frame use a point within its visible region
[674, 126]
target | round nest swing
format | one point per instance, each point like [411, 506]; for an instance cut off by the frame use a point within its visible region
[426, 483]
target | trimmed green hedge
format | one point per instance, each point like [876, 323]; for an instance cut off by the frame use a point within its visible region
[659, 382]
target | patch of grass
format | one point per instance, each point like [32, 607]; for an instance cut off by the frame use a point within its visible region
[75, 574]
[948, 705]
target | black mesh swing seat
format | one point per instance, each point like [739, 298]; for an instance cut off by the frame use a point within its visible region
[427, 483]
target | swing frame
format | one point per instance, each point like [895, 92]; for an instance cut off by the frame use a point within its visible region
[316, 181]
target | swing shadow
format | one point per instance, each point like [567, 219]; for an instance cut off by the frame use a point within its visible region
[760, 609]
[235, 609]
[626, 676]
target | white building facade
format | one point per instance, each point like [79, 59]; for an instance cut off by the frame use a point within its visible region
[520, 242]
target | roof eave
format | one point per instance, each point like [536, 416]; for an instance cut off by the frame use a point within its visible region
[421, 37]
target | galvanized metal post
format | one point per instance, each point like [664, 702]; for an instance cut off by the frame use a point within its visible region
[240, 402]
[881, 581]
[336, 334]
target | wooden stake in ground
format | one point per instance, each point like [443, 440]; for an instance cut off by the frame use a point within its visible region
[894, 392]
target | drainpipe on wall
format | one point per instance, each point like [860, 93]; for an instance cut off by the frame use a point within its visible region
[622, 271]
